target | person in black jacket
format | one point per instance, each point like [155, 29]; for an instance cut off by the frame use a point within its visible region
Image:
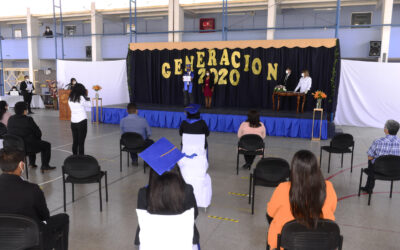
[24, 198]
[193, 123]
[167, 193]
[26, 87]
[25, 127]
[288, 80]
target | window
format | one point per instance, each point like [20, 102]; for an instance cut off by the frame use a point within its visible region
[17, 33]
[70, 30]
[361, 18]
[127, 28]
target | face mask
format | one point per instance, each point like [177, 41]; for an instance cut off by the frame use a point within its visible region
[73, 82]
[22, 169]
[207, 74]
[27, 80]
[47, 29]
[287, 71]
[302, 74]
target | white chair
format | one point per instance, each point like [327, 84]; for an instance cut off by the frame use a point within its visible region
[194, 170]
[166, 232]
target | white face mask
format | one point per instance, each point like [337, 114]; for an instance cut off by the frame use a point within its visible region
[287, 71]
[27, 80]
[302, 74]
[207, 74]
[73, 82]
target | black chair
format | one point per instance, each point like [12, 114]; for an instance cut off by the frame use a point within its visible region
[249, 145]
[3, 130]
[385, 168]
[19, 232]
[131, 142]
[13, 141]
[83, 169]
[269, 172]
[340, 144]
[295, 236]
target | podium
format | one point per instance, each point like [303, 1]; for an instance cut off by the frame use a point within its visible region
[65, 112]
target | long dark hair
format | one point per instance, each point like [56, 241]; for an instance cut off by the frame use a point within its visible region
[253, 117]
[72, 79]
[166, 193]
[307, 190]
[3, 110]
[76, 92]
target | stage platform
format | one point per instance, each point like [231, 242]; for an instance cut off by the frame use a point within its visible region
[282, 123]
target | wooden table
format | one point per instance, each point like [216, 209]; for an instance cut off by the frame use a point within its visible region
[289, 93]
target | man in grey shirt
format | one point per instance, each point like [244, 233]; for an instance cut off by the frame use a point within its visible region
[136, 124]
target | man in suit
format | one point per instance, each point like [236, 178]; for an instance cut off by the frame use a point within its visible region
[24, 198]
[25, 127]
[288, 80]
[26, 87]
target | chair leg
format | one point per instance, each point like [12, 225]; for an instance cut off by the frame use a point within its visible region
[329, 162]
[120, 161]
[237, 164]
[352, 154]
[252, 196]
[320, 158]
[64, 198]
[391, 189]
[359, 186]
[369, 198]
[127, 159]
[341, 164]
[101, 201]
[73, 192]
[250, 183]
[144, 167]
[106, 182]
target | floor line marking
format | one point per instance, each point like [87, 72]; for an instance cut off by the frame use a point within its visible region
[222, 218]
[89, 139]
[62, 150]
[344, 170]
[363, 193]
[238, 194]
[244, 178]
[46, 182]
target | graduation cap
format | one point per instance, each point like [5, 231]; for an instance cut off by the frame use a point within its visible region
[192, 108]
[162, 156]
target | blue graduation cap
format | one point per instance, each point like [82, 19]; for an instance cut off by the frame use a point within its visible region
[162, 156]
[192, 108]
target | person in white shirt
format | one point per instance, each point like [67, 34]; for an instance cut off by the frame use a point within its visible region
[78, 102]
[305, 82]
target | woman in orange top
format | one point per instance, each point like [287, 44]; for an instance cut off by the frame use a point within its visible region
[306, 197]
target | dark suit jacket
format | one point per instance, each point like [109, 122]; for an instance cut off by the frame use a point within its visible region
[190, 202]
[23, 198]
[24, 127]
[23, 86]
[290, 83]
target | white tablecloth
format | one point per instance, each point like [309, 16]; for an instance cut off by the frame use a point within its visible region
[37, 101]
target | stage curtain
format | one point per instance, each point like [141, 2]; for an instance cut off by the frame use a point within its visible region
[368, 94]
[153, 75]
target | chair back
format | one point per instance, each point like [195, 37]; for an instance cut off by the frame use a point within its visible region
[388, 165]
[193, 144]
[13, 141]
[251, 142]
[342, 141]
[295, 236]
[131, 140]
[81, 166]
[271, 171]
[167, 232]
[18, 232]
[3, 130]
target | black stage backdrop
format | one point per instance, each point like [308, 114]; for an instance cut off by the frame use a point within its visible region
[244, 78]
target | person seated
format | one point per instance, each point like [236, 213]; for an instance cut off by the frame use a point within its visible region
[305, 82]
[14, 91]
[251, 126]
[388, 145]
[4, 114]
[306, 198]
[25, 127]
[136, 124]
[193, 124]
[48, 32]
[166, 193]
[27, 199]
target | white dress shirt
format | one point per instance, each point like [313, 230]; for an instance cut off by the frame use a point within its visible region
[78, 110]
[304, 84]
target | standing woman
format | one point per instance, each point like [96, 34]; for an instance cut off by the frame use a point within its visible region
[306, 198]
[78, 102]
[4, 114]
[305, 82]
[208, 90]
[71, 84]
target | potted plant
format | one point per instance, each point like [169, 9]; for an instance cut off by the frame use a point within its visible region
[319, 95]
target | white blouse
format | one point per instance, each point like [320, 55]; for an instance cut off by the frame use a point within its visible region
[78, 110]
[304, 84]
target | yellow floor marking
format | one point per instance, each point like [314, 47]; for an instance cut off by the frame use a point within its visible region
[238, 194]
[222, 218]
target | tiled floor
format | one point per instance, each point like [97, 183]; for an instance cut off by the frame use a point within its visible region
[363, 227]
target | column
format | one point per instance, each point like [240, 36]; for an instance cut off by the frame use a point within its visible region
[96, 29]
[32, 25]
[387, 10]
[271, 21]
[176, 18]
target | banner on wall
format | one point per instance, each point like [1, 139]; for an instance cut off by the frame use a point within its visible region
[244, 73]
